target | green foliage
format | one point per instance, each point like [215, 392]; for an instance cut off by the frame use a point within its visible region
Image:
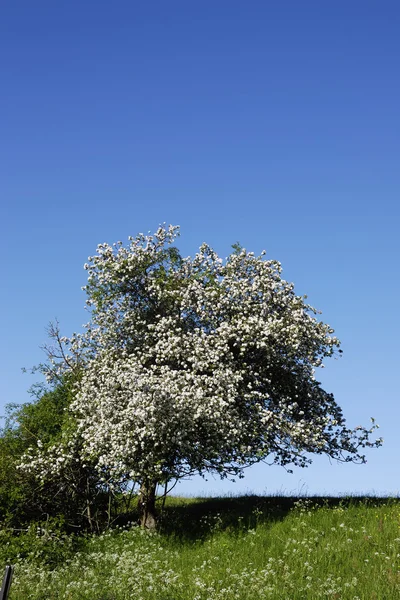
[42, 543]
[77, 499]
[22, 497]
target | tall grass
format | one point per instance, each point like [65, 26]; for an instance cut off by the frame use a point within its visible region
[247, 548]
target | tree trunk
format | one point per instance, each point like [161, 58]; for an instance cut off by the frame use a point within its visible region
[147, 505]
[88, 510]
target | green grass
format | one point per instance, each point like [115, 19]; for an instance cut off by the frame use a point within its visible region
[246, 548]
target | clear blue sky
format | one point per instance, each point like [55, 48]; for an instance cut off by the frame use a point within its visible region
[275, 124]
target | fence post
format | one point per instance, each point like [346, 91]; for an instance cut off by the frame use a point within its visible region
[5, 587]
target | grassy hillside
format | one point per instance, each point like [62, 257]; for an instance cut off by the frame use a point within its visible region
[247, 548]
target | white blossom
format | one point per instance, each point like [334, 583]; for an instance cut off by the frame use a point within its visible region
[196, 364]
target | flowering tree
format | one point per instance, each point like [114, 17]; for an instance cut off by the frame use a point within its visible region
[191, 365]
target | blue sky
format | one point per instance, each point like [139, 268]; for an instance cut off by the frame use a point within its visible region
[275, 124]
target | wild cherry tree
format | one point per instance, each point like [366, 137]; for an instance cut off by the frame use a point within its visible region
[195, 365]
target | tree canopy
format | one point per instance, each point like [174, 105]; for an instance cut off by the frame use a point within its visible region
[194, 365]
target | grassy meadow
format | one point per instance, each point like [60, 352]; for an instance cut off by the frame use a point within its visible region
[244, 548]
